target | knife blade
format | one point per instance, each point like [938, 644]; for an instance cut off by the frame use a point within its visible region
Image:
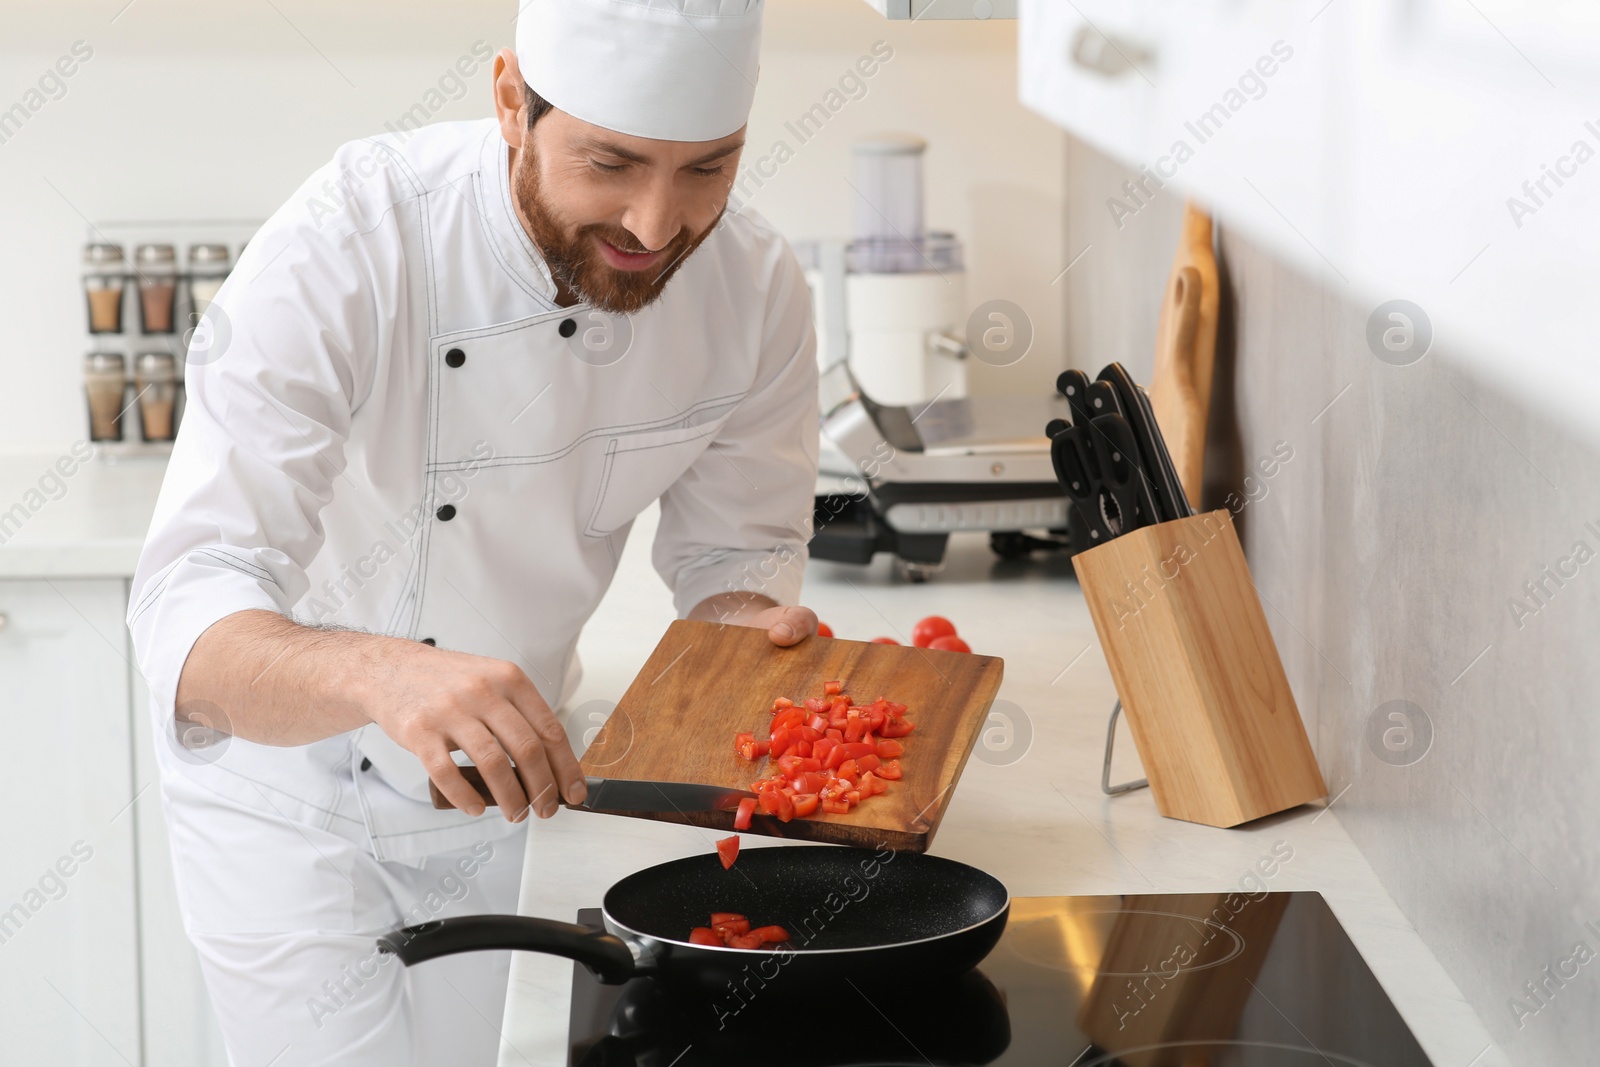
[622, 794]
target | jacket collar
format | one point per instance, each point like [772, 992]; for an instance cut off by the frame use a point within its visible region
[512, 245]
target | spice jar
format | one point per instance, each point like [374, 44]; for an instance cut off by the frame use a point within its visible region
[155, 376]
[105, 380]
[208, 268]
[156, 270]
[105, 276]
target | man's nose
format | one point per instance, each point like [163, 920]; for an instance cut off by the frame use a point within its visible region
[654, 217]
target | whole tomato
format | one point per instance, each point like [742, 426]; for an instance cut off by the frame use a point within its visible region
[925, 632]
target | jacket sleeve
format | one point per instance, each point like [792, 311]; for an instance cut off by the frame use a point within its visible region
[739, 519]
[268, 413]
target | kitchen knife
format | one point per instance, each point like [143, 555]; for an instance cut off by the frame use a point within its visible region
[1082, 486]
[621, 794]
[1124, 478]
[1165, 488]
[1074, 385]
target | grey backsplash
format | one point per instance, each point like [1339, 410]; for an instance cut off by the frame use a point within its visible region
[1390, 552]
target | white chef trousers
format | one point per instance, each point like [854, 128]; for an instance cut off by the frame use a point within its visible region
[285, 914]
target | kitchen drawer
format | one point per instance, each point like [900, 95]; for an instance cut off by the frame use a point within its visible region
[69, 979]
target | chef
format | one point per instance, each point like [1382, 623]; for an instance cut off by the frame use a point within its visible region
[423, 414]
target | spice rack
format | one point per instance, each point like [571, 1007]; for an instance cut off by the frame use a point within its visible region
[146, 291]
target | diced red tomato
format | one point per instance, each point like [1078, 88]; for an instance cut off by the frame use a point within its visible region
[871, 785]
[884, 641]
[754, 750]
[858, 749]
[824, 630]
[949, 643]
[897, 728]
[728, 850]
[747, 808]
[890, 770]
[888, 749]
[817, 722]
[704, 935]
[926, 631]
[868, 763]
[725, 917]
[788, 717]
[832, 689]
[805, 804]
[836, 756]
[854, 727]
[731, 928]
[814, 705]
[835, 807]
[750, 940]
[771, 934]
[778, 703]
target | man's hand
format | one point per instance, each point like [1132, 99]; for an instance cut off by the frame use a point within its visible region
[785, 625]
[276, 682]
[433, 702]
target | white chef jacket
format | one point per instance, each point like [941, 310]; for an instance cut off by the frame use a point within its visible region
[393, 430]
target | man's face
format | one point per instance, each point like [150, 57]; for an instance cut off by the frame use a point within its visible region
[615, 216]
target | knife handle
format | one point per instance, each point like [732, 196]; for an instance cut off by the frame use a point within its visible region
[474, 778]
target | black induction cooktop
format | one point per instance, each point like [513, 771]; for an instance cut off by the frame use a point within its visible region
[1158, 980]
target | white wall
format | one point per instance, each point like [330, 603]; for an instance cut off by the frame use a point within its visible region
[192, 110]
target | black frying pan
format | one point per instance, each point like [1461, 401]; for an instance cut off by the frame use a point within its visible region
[849, 912]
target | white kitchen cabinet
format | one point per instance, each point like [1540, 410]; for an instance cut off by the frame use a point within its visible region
[94, 965]
[1383, 145]
[69, 981]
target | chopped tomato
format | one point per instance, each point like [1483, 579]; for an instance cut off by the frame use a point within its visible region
[835, 807]
[750, 940]
[788, 717]
[858, 749]
[815, 706]
[728, 850]
[747, 808]
[780, 703]
[824, 630]
[928, 630]
[897, 728]
[832, 689]
[949, 643]
[805, 804]
[731, 928]
[771, 934]
[704, 935]
[872, 785]
[725, 917]
[868, 763]
[754, 750]
[817, 722]
[884, 641]
[890, 770]
[888, 749]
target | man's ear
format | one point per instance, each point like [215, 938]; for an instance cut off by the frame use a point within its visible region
[510, 102]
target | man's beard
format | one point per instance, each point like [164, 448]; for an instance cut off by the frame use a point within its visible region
[575, 259]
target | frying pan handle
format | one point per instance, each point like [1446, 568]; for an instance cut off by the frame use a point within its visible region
[608, 957]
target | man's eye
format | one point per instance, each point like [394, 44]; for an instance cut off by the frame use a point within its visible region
[707, 172]
[607, 168]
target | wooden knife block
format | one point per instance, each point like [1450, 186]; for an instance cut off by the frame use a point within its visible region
[1199, 676]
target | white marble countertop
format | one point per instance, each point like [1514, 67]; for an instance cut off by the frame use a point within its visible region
[90, 523]
[1032, 816]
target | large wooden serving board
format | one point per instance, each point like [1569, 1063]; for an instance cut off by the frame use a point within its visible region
[707, 681]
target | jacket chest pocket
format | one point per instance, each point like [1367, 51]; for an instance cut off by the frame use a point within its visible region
[638, 467]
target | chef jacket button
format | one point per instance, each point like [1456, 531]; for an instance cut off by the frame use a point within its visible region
[446, 513]
[430, 642]
[366, 764]
[568, 327]
[455, 357]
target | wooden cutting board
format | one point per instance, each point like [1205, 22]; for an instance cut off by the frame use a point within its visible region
[706, 682]
[1186, 348]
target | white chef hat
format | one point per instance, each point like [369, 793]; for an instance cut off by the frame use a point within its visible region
[671, 70]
